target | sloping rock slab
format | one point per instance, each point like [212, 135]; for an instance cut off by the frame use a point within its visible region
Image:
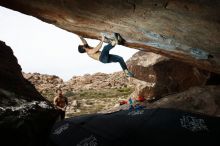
[142, 127]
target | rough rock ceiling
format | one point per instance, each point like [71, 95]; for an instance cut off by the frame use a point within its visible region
[187, 30]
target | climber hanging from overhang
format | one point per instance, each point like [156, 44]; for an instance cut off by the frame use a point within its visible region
[104, 56]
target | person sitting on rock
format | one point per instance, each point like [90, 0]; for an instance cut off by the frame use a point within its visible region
[61, 102]
[104, 56]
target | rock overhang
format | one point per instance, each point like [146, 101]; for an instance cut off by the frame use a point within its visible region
[184, 30]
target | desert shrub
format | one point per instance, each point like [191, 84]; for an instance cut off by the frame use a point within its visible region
[69, 93]
[124, 90]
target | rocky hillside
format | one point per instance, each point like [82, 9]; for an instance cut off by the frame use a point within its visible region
[86, 94]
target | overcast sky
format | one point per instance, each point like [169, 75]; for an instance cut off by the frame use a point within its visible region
[46, 49]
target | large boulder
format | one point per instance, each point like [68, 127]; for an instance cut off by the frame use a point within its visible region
[187, 30]
[25, 116]
[158, 76]
[204, 100]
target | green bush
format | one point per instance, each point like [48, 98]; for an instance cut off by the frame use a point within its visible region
[69, 93]
[124, 90]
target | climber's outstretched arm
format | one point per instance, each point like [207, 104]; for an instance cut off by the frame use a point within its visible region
[83, 40]
[97, 48]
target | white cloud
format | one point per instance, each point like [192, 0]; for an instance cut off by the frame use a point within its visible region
[44, 48]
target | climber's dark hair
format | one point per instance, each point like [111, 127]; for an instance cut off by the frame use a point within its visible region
[81, 49]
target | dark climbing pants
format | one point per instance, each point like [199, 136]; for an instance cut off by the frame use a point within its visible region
[105, 57]
[62, 114]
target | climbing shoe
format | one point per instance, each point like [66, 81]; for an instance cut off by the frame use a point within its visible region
[115, 38]
[107, 40]
[119, 40]
[128, 73]
[113, 41]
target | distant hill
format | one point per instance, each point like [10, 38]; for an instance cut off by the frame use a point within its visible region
[87, 93]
